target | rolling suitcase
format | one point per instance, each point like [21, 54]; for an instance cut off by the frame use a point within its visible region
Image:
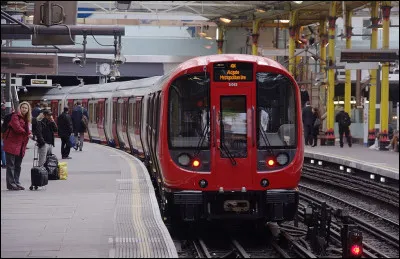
[39, 174]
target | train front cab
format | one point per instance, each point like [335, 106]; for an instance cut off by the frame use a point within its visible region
[225, 167]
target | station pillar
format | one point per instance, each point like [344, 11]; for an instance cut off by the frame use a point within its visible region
[254, 36]
[330, 124]
[220, 39]
[372, 72]
[292, 44]
[322, 65]
[347, 87]
[384, 137]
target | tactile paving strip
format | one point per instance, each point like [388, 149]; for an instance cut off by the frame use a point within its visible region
[140, 231]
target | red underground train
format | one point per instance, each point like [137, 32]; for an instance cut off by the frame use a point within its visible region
[221, 135]
[230, 139]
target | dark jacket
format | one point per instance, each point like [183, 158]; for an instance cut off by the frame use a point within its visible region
[16, 137]
[339, 118]
[308, 116]
[45, 132]
[36, 111]
[304, 97]
[76, 117]
[64, 122]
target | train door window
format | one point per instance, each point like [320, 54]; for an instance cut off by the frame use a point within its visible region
[139, 106]
[95, 111]
[189, 112]
[276, 111]
[106, 112]
[234, 126]
[115, 111]
[157, 114]
[60, 108]
[91, 112]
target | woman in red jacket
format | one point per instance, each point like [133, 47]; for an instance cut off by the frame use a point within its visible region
[15, 140]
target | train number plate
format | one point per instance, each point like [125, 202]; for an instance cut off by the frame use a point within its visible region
[236, 205]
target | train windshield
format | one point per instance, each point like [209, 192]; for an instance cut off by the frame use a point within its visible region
[189, 112]
[276, 111]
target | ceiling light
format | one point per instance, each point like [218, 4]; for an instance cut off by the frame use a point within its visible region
[225, 20]
[281, 21]
[297, 2]
[202, 34]
[260, 10]
[208, 38]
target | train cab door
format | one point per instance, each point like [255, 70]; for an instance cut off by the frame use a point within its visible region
[114, 121]
[121, 124]
[233, 143]
[93, 121]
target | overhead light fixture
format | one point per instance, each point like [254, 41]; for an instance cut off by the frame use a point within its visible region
[208, 38]
[225, 20]
[122, 5]
[281, 21]
[297, 2]
[260, 10]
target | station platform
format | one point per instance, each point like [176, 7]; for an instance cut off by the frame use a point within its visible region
[383, 163]
[106, 208]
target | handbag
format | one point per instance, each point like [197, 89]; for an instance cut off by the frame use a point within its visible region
[317, 122]
[72, 142]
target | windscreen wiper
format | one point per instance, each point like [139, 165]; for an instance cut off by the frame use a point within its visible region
[224, 148]
[201, 140]
[266, 140]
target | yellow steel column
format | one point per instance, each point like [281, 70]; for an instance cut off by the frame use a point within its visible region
[322, 64]
[220, 38]
[384, 139]
[255, 35]
[347, 87]
[372, 87]
[292, 44]
[330, 134]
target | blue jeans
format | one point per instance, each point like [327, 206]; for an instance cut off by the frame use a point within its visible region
[3, 154]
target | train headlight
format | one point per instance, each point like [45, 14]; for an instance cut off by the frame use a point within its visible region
[196, 162]
[184, 159]
[282, 159]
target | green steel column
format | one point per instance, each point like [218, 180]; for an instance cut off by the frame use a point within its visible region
[347, 87]
[292, 44]
[330, 134]
[384, 139]
[372, 72]
[220, 38]
[255, 35]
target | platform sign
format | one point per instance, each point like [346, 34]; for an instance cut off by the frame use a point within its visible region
[379, 55]
[233, 71]
[29, 64]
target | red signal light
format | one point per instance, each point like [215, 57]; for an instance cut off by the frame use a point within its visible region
[196, 163]
[356, 250]
[271, 162]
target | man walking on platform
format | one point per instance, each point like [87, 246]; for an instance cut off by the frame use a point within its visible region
[45, 135]
[308, 124]
[65, 130]
[80, 119]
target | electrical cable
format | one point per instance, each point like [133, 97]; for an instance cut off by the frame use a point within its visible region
[101, 44]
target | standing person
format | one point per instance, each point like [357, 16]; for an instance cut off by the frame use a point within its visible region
[36, 111]
[45, 135]
[3, 154]
[78, 125]
[65, 129]
[16, 138]
[343, 120]
[308, 121]
[316, 125]
[304, 96]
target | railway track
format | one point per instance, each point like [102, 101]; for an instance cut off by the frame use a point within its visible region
[381, 236]
[385, 193]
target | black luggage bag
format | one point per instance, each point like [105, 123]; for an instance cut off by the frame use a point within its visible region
[51, 165]
[39, 174]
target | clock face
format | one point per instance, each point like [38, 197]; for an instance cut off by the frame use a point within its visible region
[105, 69]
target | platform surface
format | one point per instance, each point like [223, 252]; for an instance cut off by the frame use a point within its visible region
[384, 163]
[106, 208]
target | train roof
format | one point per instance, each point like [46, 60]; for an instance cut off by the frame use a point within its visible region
[205, 60]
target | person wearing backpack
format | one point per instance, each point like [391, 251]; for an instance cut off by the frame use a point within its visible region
[16, 135]
[45, 135]
[64, 132]
[80, 119]
[343, 120]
